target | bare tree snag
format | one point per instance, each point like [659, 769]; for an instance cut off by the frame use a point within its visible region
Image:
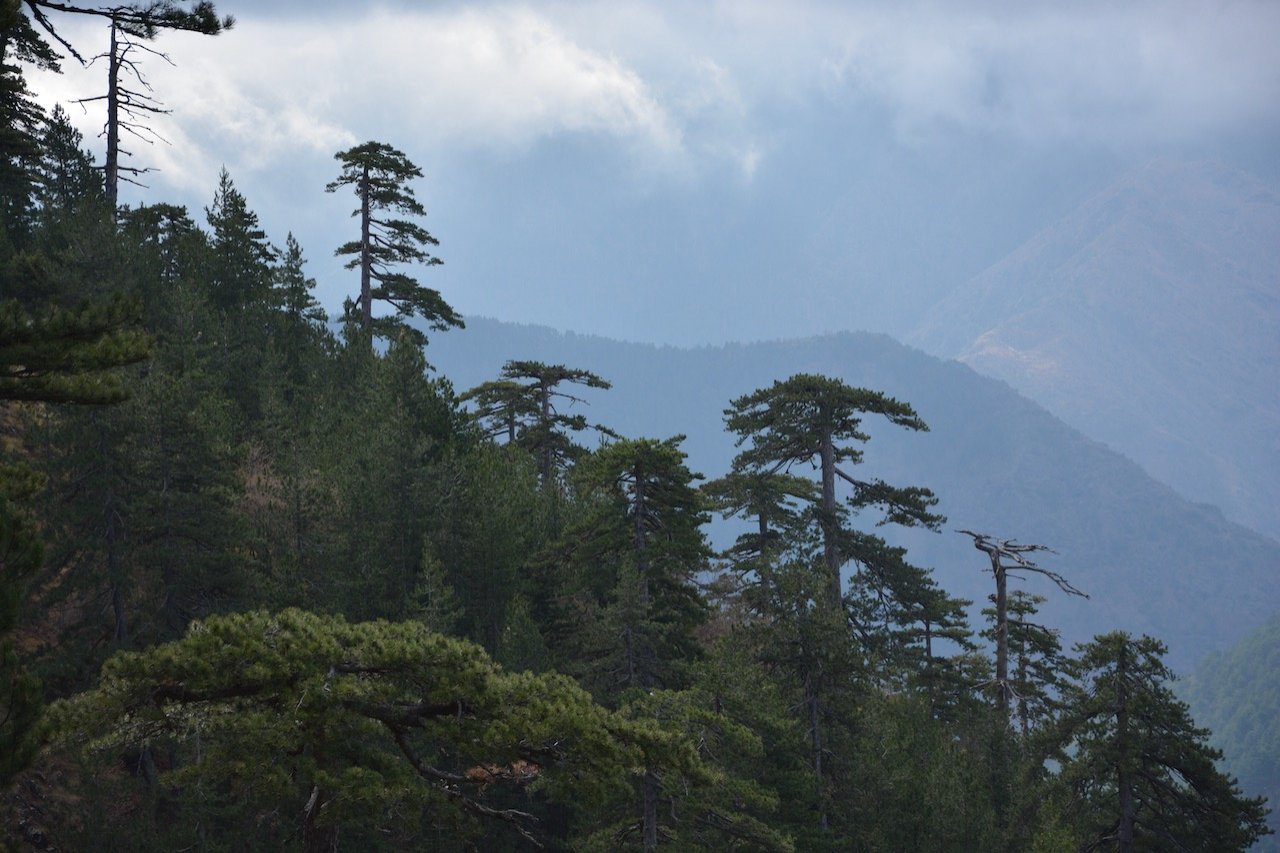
[1006, 555]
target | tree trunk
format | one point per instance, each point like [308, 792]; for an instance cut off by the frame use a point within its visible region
[815, 729]
[317, 838]
[111, 169]
[1124, 782]
[1002, 636]
[766, 566]
[830, 553]
[545, 462]
[366, 253]
[1024, 721]
[641, 538]
[649, 818]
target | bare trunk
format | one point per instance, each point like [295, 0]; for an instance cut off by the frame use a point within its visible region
[317, 838]
[111, 169]
[635, 676]
[1024, 717]
[766, 565]
[1002, 636]
[641, 539]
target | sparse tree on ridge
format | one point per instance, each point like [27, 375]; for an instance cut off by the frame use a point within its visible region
[1007, 555]
[380, 175]
[522, 404]
[808, 419]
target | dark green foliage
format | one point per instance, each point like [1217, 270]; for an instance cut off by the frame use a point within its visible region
[708, 806]
[524, 406]
[1142, 775]
[292, 293]
[905, 783]
[811, 419]
[20, 121]
[630, 558]
[241, 258]
[489, 518]
[64, 356]
[380, 175]
[369, 726]
[68, 179]
[1236, 694]
[54, 357]
[20, 554]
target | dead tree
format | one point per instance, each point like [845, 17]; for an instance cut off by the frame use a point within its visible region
[1007, 555]
[129, 109]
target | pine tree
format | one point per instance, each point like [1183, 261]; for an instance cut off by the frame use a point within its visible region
[1142, 774]
[58, 357]
[638, 546]
[1036, 655]
[523, 405]
[241, 258]
[292, 290]
[1007, 555]
[130, 110]
[380, 729]
[807, 418]
[21, 117]
[380, 175]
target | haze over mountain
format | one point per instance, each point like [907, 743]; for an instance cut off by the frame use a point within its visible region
[1149, 318]
[1151, 561]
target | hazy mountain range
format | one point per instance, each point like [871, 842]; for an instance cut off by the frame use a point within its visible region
[1148, 318]
[1152, 561]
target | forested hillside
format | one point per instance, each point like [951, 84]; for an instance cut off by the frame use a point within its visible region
[266, 581]
[1236, 694]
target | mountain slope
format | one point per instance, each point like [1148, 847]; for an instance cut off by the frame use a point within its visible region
[1152, 561]
[1149, 318]
[1236, 695]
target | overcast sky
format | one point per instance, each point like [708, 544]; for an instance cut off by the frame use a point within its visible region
[691, 173]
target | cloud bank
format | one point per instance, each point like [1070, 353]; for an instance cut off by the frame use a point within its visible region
[675, 83]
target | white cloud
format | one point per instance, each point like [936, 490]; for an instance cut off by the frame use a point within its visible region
[268, 90]
[679, 85]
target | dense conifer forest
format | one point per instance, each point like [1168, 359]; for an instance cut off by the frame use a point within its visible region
[267, 580]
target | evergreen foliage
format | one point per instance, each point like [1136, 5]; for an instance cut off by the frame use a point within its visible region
[522, 405]
[1236, 694]
[378, 725]
[1142, 775]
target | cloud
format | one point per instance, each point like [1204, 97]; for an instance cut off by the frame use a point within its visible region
[1100, 72]
[1123, 73]
[680, 86]
[495, 77]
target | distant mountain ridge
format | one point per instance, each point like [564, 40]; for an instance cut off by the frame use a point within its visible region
[1152, 561]
[1149, 318]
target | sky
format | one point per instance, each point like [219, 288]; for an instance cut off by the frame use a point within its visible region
[689, 173]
